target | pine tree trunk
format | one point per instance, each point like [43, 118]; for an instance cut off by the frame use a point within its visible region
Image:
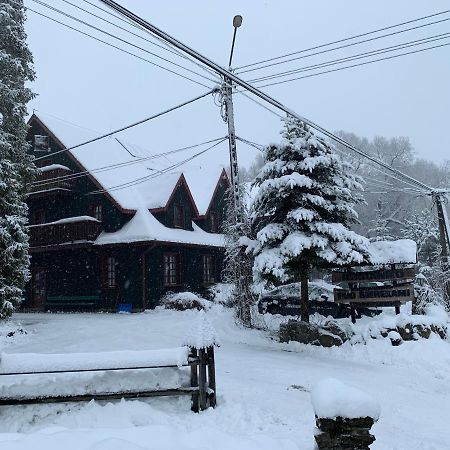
[304, 294]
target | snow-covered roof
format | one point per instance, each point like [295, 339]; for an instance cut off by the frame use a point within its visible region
[142, 182]
[144, 227]
[401, 251]
[53, 167]
[202, 180]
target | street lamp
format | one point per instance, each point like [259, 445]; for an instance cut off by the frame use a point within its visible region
[237, 22]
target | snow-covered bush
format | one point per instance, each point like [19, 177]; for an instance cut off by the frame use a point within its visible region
[221, 293]
[181, 301]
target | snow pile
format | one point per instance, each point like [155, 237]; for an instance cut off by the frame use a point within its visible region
[393, 252]
[202, 334]
[38, 362]
[64, 384]
[181, 301]
[332, 398]
[12, 333]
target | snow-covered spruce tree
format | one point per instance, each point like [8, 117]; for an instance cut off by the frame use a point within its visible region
[302, 211]
[238, 264]
[16, 167]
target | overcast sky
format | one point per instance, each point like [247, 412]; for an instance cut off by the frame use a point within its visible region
[90, 84]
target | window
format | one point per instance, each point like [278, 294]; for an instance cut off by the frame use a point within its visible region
[109, 272]
[178, 216]
[41, 143]
[214, 222]
[96, 211]
[171, 266]
[209, 269]
[38, 216]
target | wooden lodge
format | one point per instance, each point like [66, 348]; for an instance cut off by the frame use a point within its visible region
[109, 238]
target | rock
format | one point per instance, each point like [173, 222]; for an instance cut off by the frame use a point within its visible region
[423, 331]
[437, 329]
[329, 340]
[395, 338]
[298, 331]
[344, 434]
[336, 330]
[385, 331]
[406, 332]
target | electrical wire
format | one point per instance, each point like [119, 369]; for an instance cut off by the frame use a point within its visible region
[358, 56]
[354, 65]
[348, 39]
[154, 116]
[163, 47]
[116, 47]
[151, 176]
[122, 164]
[120, 39]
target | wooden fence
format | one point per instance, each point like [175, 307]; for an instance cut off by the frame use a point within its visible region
[202, 387]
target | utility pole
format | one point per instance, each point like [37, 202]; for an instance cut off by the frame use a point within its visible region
[444, 241]
[229, 112]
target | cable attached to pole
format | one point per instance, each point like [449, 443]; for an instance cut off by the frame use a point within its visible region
[154, 116]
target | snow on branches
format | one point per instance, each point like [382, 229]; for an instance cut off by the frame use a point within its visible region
[16, 167]
[303, 208]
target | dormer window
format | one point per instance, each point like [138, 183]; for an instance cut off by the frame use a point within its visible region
[214, 222]
[96, 211]
[41, 143]
[178, 216]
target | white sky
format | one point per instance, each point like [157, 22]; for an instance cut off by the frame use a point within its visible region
[87, 83]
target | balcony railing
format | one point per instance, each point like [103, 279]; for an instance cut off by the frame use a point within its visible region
[73, 229]
[53, 179]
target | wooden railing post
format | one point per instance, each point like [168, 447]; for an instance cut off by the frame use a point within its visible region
[202, 384]
[194, 380]
[211, 376]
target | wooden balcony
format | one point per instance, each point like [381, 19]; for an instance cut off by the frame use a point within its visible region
[53, 180]
[82, 229]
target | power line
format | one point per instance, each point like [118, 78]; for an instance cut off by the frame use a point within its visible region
[115, 47]
[354, 65]
[120, 39]
[122, 164]
[348, 39]
[151, 176]
[333, 62]
[373, 160]
[257, 92]
[163, 47]
[127, 126]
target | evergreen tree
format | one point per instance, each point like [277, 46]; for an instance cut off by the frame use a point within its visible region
[16, 167]
[302, 211]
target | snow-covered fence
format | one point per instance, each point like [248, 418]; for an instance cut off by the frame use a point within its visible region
[344, 416]
[28, 378]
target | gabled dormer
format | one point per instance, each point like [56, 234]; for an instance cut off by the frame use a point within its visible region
[212, 217]
[180, 209]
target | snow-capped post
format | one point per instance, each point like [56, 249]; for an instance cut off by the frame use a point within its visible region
[344, 416]
[201, 339]
[303, 209]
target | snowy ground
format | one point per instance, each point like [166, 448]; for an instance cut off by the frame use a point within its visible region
[263, 386]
